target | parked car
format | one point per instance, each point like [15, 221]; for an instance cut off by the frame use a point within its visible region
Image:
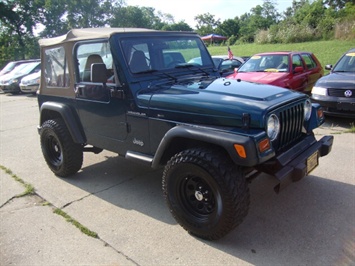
[335, 92]
[224, 65]
[297, 71]
[11, 65]
[11, 81]
[30, 83]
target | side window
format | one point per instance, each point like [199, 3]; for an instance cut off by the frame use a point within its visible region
[91, 53]
[309, 61]
[56, 68]
[296, 61]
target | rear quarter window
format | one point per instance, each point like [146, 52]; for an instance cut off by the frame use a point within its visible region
[56, 70]
[310, 63]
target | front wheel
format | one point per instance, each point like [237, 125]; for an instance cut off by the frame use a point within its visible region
[205, 192]
[63, 156]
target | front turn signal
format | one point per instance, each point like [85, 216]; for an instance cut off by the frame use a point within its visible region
[264, 145]
[240, 150]
[320, 113]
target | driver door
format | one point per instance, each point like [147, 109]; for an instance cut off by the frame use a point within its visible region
[103, 116]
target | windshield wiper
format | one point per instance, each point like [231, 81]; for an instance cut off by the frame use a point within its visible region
[146, 71]
[189, 65]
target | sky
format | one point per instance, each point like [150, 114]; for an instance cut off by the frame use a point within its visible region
[186, 10]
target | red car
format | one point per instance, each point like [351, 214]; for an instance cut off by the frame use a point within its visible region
[297, 71]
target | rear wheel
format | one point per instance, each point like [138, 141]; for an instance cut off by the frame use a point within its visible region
[63, 156]
[206, 193]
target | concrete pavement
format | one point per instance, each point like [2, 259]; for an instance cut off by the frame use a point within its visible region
[310, 223]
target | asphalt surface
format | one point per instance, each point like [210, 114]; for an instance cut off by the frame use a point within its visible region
[311, 222]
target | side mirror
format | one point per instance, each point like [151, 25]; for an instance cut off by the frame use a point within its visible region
[298, 69]
[98, 73]
[328, 67]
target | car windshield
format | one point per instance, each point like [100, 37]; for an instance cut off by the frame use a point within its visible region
[8, 67]
[346, 63]
[25, 68]
[149, 54]
[266, 63]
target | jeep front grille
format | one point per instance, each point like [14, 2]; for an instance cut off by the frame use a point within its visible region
[291, 122]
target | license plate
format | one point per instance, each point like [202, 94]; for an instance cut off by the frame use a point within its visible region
[312, 162]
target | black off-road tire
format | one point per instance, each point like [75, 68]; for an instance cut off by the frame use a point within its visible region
[206, 193]
[63, 156]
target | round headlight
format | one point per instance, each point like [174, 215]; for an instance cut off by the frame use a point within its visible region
[273, 127]
[307, 109]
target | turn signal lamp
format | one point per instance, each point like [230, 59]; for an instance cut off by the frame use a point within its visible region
[240, 150]
[320, 113]
[264, 145]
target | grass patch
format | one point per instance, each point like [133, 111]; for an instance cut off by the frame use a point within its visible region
[327, 52]
[29, 189]
[78, 225]
[351, 129]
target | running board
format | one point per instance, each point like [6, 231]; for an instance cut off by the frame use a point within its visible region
[139, 157]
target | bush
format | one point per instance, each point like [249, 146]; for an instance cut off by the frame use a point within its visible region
[345, 30]
[287, 34]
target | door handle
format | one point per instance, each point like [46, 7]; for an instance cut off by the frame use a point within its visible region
[79, 89]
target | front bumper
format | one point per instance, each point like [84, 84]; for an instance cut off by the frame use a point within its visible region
[342, 107]
[13, 88]
[288, 168]
[29, 88]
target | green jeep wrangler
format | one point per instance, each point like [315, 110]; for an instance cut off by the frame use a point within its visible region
[138, 93]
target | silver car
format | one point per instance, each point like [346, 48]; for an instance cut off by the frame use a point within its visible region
[30, 83]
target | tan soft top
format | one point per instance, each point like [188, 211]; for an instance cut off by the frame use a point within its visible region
[87, 34]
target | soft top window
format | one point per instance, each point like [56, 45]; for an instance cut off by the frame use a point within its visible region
[56, 67]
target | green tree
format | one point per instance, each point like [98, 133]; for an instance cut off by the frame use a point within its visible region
[180, 26]
[310, 14]
[54, 18]
[206, 24]
[18, 19]
[229, 27]
[134, 16]
[338, 4]
[85, 13]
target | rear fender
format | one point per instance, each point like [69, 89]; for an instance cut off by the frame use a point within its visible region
[50, 110]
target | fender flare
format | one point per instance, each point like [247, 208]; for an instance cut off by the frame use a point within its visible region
[69, 117]
[218, 138]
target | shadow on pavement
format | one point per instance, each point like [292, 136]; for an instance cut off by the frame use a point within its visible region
[311, 218]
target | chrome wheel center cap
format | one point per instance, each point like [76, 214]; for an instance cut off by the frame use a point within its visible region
[198, 195]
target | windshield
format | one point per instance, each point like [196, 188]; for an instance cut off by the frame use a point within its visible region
[266, 63]
[346, 63]
[25, 68]
[164, 53]
[8, 67]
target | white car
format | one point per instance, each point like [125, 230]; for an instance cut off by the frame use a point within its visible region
[224, 65]
[30, 83]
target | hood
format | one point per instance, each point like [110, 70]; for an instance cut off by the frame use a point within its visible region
[11, 76]
[32, 76]
[215, 101]
[260, 77]
[338, 80]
